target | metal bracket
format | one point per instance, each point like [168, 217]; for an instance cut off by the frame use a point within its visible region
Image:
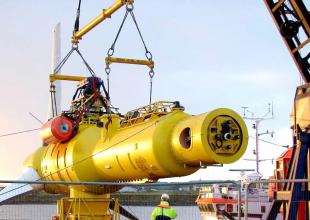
[110, 60]
[55, 77]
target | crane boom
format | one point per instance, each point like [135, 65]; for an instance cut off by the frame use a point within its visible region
[292, 19]
[106, 13]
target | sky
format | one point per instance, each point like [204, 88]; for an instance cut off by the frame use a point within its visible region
[208, 54]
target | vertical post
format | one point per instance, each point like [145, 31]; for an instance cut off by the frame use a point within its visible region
[239, 200]
[256, 145]
[246, 201]
[55, 60]
[257, 121]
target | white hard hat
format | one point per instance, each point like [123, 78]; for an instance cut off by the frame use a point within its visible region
[164, 196]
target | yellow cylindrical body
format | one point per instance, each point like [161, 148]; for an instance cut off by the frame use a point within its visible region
[159, 146]
[204, 147]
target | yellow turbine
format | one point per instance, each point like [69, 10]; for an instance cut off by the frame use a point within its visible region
[148, 143]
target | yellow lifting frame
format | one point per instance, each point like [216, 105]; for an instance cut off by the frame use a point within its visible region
[106, 13]
[110, 60]
[55, 77]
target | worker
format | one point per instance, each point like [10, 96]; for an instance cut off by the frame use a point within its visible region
[163, 211]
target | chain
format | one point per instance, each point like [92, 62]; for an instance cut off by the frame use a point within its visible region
[151, 74]
[129, 7]
[53, 100]
[148, 54]
[111, 50]
[108, 71]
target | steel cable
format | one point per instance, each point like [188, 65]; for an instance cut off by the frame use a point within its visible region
[19, 132]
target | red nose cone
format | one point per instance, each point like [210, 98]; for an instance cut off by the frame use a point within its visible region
[58, 129]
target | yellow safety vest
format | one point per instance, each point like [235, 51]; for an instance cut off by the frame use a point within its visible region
[164, 210]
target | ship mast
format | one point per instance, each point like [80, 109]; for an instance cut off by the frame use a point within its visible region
[257, 121]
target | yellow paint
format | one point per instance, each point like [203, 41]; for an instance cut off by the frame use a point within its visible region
[87, 208]
[55, 77]
[106, 13]
[151, 148]
[302, 103]
[110, 60]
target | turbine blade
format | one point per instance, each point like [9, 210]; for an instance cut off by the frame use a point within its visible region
[16, 189]
[56, 58]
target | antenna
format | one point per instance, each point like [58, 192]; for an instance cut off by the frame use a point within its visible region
[244, 110]
[257, 120]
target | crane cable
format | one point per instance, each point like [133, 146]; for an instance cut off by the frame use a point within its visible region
[148, 54]
[271, 143]
[65, 59]
[19, 132]
[58, 68]
[77, 20]
[111, 50]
